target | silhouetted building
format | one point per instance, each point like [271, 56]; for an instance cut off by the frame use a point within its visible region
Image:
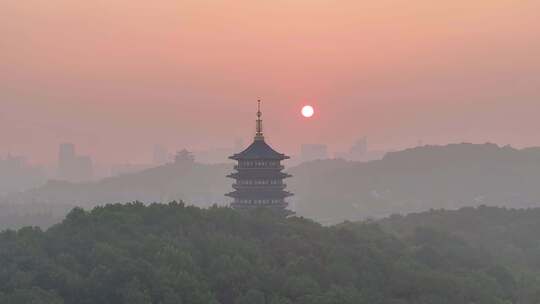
[72, 167]
[310, 152]
[259, 176]
[17, 175]
[359, 151]
[184, 157]
[161, 156]
[66, 153]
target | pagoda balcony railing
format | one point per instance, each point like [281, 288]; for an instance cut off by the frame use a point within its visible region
[247, 175]
[257, 187]
[251, 205]
[281, 167]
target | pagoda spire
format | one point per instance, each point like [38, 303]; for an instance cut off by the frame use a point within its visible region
[259, 134]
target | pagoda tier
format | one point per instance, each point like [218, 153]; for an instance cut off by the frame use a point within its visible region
[256, 175]
[254, 194]
[257, 187]
[259, 177]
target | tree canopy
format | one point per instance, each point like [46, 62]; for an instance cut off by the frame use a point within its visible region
[172, 253]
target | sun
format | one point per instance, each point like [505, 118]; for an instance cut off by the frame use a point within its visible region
[308, 111]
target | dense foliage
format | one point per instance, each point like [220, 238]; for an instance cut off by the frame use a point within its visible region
[508, 237]
[176, 254]
[511, 235]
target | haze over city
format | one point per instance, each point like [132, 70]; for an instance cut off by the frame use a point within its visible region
[269, 152]
[117, 77]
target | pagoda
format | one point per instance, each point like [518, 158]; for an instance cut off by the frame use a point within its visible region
[259, 177]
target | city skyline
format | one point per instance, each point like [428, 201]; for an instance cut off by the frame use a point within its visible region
[184, 74]
[159, 154]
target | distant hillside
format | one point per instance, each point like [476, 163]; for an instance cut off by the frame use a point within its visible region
[508, 236]
[511, 235]
[196, 183]
[329, 191]
[169, 254]
[418, 179]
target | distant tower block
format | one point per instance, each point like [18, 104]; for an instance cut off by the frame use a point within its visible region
[259, 176]
[160, 155]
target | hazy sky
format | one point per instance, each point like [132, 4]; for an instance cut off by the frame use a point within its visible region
[118, 76]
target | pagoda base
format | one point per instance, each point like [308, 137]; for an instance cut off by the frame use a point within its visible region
[278, 208]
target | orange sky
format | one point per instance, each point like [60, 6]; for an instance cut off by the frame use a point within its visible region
[118, 76]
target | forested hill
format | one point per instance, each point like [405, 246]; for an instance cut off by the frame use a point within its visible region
[328, 191]
[136, 254]
[418, 179]
[510, 235]
[198, 184]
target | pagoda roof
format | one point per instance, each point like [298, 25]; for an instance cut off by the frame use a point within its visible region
[259, 149]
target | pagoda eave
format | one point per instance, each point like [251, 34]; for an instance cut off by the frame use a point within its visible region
[257, 194]
[258, 187]
[256, 174]
[243, 206]
[241, 157]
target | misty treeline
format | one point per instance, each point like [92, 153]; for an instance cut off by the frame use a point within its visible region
[172, 253]
[199, 184]
[419, 179]
[328, 191]
[509, 236]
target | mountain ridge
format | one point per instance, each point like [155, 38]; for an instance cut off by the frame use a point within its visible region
[329, 191]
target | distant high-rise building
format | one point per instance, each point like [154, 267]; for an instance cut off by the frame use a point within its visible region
[17, 175]
[66, 153]
[310, 152]
[259, 176]
[359, 152]
[66, 158]
[161, 156]
[72, 167]
[84, 168]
